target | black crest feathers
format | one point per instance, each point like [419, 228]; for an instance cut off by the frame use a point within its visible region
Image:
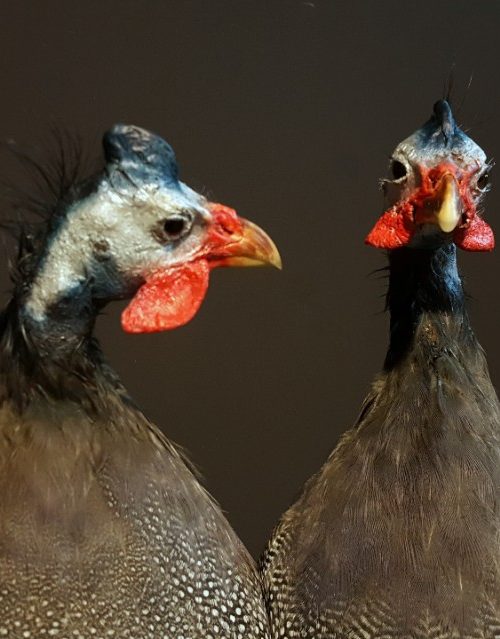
[51, 181]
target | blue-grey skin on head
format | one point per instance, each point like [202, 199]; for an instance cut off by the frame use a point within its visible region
[139, 156]
[140, 218]
[439, 140]
[439, 176]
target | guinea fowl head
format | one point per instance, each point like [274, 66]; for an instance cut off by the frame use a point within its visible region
[439, 176]
[140, 233]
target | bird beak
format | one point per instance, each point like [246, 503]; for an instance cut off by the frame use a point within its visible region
[444, 207]
[253, 248]
[449, 213]
[234, 241]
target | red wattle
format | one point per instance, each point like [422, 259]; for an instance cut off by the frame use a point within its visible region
[476, 236]
[397, 225]
[168, 299]
[392, 229]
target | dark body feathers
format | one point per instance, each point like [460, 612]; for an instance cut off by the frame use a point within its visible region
[398, 534]
[105, 532]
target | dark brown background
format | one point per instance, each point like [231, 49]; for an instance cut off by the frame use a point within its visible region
[287, 110]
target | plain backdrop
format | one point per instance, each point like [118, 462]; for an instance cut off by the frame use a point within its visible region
[288, 111]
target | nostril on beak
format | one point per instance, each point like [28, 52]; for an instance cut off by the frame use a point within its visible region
[228, 229]
[225, 219]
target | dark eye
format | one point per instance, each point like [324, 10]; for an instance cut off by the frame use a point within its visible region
[483, 181]
[398, 170]
[175, 227]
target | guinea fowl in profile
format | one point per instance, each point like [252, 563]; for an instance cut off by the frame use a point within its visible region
[398, 534]
[104, 531]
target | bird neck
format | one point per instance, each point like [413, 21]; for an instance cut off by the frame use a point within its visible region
[46, 343]
[55, 357]
[426, 303]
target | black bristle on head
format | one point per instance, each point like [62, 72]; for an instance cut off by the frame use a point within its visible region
[443, 116]
[449, 90]
[30, 213]
[449, 84]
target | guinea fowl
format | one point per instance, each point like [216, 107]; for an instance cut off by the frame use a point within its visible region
[104, 530]
[398, 534]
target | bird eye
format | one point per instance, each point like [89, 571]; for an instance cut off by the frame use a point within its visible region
[483, 181]
[398, 170]
[175, 227]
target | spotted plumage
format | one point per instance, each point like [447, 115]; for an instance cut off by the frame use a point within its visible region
[398, 535]
[104, 529]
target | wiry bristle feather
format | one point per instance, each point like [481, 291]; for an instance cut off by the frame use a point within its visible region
[49, 185]
[449, 85]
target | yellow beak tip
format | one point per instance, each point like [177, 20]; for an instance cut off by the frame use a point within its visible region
[276, 261]
[449, 213]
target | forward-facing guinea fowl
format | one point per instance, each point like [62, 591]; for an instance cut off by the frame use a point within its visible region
[398, 535]
[104, 531]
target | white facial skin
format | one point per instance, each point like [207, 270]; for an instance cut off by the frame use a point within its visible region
[125, 228]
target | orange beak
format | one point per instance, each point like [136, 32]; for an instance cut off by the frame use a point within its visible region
[234, 241]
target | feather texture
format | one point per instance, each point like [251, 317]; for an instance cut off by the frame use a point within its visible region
[398, 534]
